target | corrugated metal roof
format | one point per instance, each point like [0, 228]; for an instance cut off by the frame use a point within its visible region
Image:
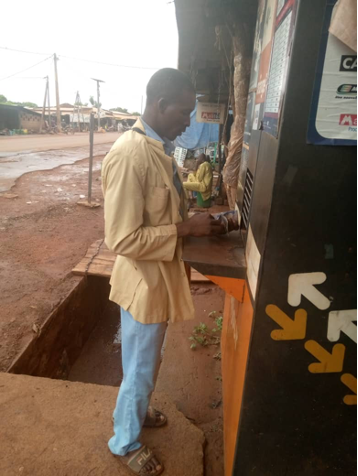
[20, 108]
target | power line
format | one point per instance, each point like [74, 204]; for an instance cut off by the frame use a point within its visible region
[22, 71]
[23, 51]
[82, 59]
[109, 64]
[30, 77]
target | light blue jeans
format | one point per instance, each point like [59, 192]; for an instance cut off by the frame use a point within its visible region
[141, 348]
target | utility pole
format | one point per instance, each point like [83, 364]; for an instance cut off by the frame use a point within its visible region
[88, 203]
[141, 106]
[78, 112]
[98, 105]
[77, 105]
[48, 104]
[58, 112]
[89, 195]
[44, 105]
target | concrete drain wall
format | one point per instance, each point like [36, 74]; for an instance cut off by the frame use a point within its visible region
[64, 333]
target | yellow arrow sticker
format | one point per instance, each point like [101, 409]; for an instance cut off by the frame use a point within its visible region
[292, 329]
[350, 382]
[328, 363]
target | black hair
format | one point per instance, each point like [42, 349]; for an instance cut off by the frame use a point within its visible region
[168, 83]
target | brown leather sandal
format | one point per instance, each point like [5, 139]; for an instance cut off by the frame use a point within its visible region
[155, 418]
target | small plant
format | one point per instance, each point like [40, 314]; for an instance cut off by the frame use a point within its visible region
[204, 336]
[219, 323]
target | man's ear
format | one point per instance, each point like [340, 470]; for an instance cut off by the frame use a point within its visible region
[162, 104]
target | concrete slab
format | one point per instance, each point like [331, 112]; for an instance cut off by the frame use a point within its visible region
[61, 428]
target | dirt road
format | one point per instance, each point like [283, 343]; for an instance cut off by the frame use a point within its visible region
[37, 142]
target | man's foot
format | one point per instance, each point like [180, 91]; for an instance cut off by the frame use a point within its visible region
[143, 462]
[154, 418]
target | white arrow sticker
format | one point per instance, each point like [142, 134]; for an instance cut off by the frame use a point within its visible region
[303, 285]
[342, 321]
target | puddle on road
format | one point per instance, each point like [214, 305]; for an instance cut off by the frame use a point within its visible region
[13, 154]
[11, 170]
[11, 161]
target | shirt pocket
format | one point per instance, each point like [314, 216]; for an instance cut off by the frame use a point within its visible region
[157, 206]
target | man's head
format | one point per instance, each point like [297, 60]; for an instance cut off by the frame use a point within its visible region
[170, 100]
[200, 160]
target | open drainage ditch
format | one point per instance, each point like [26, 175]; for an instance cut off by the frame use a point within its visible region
[80, 339]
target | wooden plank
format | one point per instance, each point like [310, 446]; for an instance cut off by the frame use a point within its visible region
[222, 255]
[98, 261]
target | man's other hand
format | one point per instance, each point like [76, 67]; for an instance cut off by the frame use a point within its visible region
[201, 224]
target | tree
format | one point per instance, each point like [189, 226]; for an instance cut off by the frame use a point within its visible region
[4, 100]
[28, 104]
[125, 111]
[119, 109]
[80, 103]
[93, 102]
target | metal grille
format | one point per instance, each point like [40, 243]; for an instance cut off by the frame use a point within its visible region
[249, 183]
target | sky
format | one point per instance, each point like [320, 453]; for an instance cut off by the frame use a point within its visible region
[141, 34]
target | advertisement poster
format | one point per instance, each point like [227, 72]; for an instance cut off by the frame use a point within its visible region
[268, 24]
[280, 5]
[284, 26]
[260, 67]
[210, 112]
[255, 124]
[261, 58]
[333, 117]
[249, 119]
[256, 55]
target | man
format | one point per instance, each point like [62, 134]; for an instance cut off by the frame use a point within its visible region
[201, 180]
[145, 221]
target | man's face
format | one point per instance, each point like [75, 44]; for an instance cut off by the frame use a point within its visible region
[200, 160]
[175, 116]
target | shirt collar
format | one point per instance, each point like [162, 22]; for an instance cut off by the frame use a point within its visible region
[167, 144]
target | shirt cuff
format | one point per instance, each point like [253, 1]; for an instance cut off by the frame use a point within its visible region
[170, 231]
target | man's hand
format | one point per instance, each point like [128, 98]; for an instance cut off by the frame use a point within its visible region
[201, 224]
[183, 170]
